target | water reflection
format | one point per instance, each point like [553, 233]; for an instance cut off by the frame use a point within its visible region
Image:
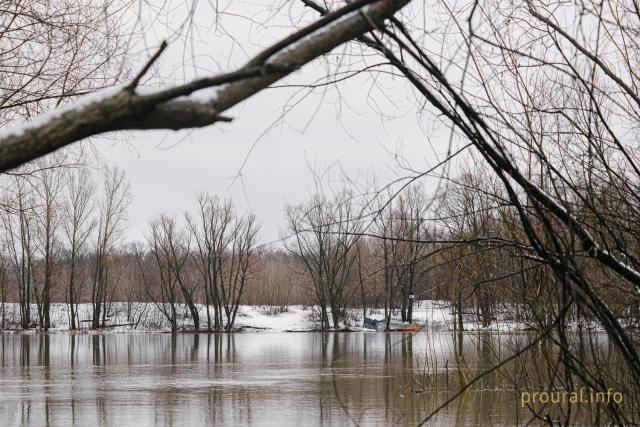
[246, 379]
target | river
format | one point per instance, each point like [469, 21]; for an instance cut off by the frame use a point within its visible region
[270, 379]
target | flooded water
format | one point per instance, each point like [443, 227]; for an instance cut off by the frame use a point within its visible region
[265, 379]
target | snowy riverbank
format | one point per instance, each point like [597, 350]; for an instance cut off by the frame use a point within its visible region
[146, 317]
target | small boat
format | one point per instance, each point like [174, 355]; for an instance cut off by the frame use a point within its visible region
[376, 325]
[379, 325]
[410, 329]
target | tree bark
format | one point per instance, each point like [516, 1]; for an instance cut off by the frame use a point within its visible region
[123, 108]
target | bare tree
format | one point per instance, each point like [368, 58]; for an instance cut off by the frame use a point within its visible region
[178, 250]
[112, 215]
[324, 233]
[3, 287]
[209, 231]
[390, 249]
[19, 233]
[412, 209]
[48, 189]
[134, 288]
[163, 287]
[53, 51]
[78, 225]
[224, 245]
[126, 107]
[239, 265]
[524, 87]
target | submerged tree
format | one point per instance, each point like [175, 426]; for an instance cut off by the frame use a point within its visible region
[402, 246]
[168, 250]
[48, 189]
[224, 246]
[78, 225]
[112, 210]
[19, 239]
[324, 233]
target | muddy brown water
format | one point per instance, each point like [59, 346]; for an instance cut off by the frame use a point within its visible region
[265, 379]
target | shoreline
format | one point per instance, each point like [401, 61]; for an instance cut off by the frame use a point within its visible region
[137, 317]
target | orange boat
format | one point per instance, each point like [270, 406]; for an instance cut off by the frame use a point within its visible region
[410, 329]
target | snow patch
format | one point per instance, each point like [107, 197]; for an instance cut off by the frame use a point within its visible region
[21, 128]
[146, 317]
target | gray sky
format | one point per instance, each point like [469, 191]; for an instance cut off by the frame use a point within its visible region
[337, 127]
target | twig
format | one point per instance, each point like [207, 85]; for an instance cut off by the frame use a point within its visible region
[134, 83]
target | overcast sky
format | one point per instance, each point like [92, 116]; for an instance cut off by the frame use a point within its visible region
[282, 133]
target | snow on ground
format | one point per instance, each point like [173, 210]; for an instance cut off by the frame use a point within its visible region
[295, 318]
[146, 317]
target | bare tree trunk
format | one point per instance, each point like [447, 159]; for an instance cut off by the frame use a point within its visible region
[112, 212]
[77, 226]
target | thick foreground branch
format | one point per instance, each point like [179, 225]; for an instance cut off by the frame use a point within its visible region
[124, 107]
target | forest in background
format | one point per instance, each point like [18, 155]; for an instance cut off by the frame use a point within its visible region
[63, 239]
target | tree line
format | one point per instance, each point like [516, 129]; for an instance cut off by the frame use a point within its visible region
[63, 239]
